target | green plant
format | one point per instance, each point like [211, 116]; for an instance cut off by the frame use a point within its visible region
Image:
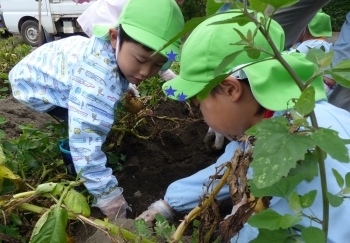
[12, 50]
[337, 10]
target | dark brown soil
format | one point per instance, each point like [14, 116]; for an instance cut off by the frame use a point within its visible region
[175, 151]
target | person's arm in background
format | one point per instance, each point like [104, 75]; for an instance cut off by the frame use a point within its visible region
[340, 96]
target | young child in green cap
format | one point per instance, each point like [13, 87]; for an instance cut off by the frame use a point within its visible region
[241, 100]
[82, 80]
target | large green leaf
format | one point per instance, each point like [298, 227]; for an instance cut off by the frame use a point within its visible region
[307, 168]
[342, 65]
[306, 102]
[258, 5]
[283, 188]
[76, 202]
[313, 235]
[278, 124]
[347, 179]
[272, 217]
[268, 236]
[52, 228]
[212, 7]
[329, 141]
[288, 220]
[276, 151]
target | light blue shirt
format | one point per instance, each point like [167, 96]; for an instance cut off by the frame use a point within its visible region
[183, 195]
[79, 74]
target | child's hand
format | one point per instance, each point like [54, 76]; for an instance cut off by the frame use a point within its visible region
[161, 207]
[215, 137]
[167, 75]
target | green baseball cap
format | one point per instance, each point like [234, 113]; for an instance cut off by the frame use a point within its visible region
[320, 25]
[208, 45]
[150, 22]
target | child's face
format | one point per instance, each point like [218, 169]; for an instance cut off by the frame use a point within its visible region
[231, 109]
[136, 63]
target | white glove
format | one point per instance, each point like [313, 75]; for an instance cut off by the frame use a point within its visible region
[114, 206]
[133, 89]
[167, 74]
[219, 139]
[161, 207]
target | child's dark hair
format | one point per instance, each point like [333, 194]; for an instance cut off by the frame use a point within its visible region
[245, 81]
[124, 37]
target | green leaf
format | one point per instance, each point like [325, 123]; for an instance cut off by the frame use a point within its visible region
[76, 202]
[346, 190]
[58, 189]
[53, 229]
[268, 236]
[315, 55]
[342, 65]
[2, 156]
[226, 61]
[308, 199]
[142, 229]
[294, 202]
[241, 20]
[3, 89]
[306, 102]
[341, 77]
[257, 5]
[338, 177]
[307, 168]
[278, 123]
[334, 200]
[276, 151]
[313, 235]
[259, 220]
[252, 52]
[347, 179]
[212, 7]
[212, 84]
[329, 141]
[280, 3]
[45, 188]
[327, 59]
[289, 220]
[2, 120]
[283, 188]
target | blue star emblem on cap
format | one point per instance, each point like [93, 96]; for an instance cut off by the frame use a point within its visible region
[171, 56]
[170, 91]
[182, 97]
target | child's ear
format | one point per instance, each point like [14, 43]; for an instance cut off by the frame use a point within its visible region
[232, 87]
[113, 35]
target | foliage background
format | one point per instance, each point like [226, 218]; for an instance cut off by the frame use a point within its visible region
[337, 9]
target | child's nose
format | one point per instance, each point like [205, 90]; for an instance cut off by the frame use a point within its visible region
[146, 70]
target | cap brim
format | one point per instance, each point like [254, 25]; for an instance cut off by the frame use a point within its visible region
[152, 41]
[180, 89]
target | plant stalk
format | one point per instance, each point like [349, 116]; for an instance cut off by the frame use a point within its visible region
[176, 237]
